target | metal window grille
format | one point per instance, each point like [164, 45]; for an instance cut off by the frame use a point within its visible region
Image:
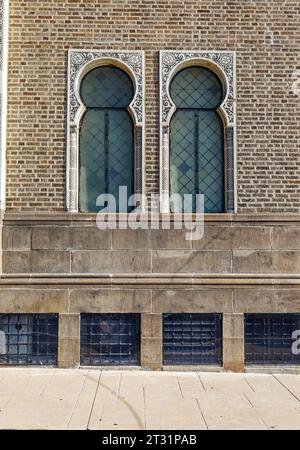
[28, 339]
[268, 338]
[192, 339]
[110, 339]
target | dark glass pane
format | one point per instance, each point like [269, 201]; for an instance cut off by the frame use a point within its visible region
[211, 160]
[30, 339]
[110, 339]
[106, 138]
[192, 339]
[268, 338]
[196, 87]
[106, 156]
[106, 87]
[196, 157]
[121, 154]
[182, 155]
[92, 159]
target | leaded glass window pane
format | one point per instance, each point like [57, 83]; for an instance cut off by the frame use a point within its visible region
[106, 87]
[196, 138]
[106, 136]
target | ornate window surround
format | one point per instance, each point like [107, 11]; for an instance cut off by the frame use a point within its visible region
[223, 64]
[80, 62]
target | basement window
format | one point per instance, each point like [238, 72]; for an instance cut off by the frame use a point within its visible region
[192, 339]
[110, 339]
[272, 339]
[28, 339]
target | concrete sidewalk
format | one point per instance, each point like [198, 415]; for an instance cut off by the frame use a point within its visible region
[112, 400]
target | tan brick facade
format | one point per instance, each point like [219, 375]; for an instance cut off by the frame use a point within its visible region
[59, 262]
[264, 34]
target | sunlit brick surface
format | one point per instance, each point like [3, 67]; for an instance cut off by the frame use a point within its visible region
[264, 34]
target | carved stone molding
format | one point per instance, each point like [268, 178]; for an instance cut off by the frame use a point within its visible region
[80, 63]
[223, 64]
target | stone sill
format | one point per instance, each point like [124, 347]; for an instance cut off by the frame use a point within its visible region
[155, 279]
[114, 368]
[201, 368]
[271, 369]
[38, 218]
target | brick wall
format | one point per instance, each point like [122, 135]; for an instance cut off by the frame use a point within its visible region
[264, 34]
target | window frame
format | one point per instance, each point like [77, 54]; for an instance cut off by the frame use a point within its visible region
[223, 64]
[80, 62]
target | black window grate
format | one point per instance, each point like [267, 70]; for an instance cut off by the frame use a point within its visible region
[192, 339]
[110, 339]
[268, 338]
[28, 339]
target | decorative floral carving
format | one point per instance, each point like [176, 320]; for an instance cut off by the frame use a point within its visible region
[171, 59]
[78, 59]
[134, 60]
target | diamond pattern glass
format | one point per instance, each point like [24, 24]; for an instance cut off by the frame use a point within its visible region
[106, 87]
[196, 139]
[120, 157]
[106, 137]
[196, 87]
[92, 159]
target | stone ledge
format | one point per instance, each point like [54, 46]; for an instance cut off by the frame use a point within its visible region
[38, 218]
[146, 279]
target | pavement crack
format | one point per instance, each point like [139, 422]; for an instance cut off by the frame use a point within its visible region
[286, 388]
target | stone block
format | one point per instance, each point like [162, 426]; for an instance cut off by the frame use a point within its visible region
[247, 261]
[233, 325]
[187, 261]
[119, 261]
[172, 261]
[151, 353]
[286, 238]
[233, 354]
[266, 300]
[234, 237]
[68, 353]
[30, 300]
[37, 261]
[215, 300]
[110, 300]
[169, 239]
[70, 238]
[151, 325]
[16, 238]
[131, 239]
[69, 326]
[233, 342]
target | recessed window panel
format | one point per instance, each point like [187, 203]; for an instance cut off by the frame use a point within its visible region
[28, 339]
[192, 339]
[269, 339]
[110, 339]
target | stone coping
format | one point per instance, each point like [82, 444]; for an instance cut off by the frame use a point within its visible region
[70, 218]
[150, 279]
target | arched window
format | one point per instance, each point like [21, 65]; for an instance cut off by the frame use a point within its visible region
[106, 136]
[197, 138]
